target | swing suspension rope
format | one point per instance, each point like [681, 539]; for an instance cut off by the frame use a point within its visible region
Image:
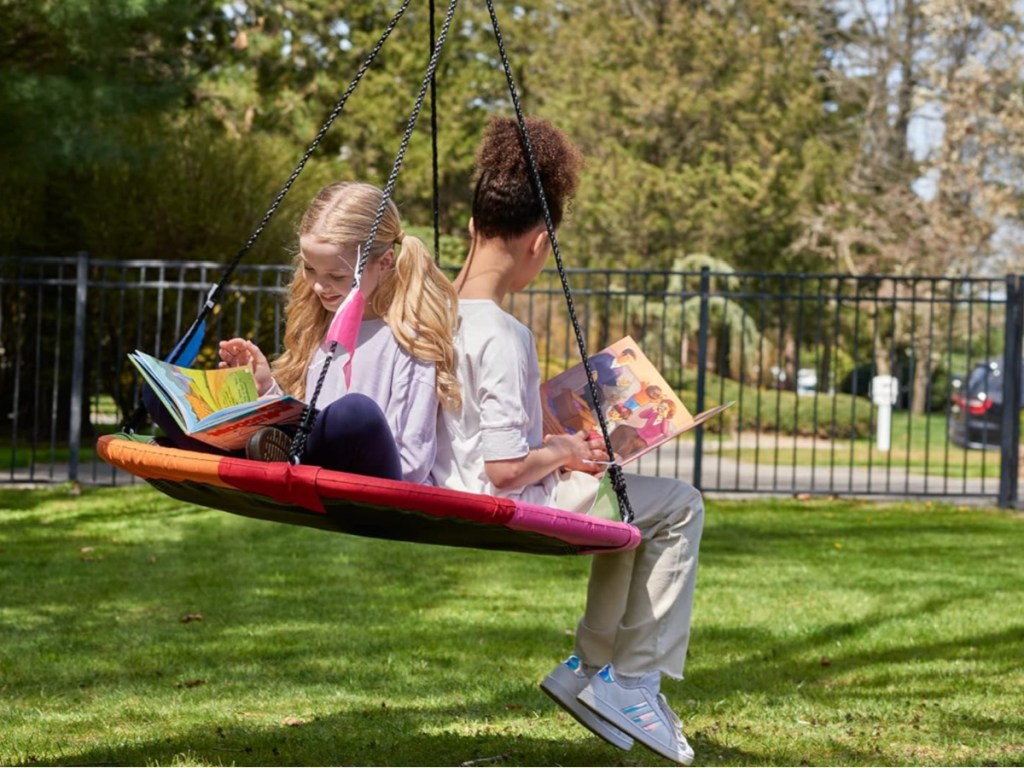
[309, 412]
[435, 175]
[132, 423]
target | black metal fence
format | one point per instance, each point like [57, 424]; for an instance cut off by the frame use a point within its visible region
[841, 385]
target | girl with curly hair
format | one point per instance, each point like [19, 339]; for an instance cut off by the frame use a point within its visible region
[636, 625]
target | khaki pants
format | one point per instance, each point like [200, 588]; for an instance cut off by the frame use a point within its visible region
[639, 603]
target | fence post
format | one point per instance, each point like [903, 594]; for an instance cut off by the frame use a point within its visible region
[78, 366]
[702, 356]
[1010, 450]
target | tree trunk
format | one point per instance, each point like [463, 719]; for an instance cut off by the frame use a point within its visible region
[922, 375]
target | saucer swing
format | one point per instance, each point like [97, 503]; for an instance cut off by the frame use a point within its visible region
[293, 493]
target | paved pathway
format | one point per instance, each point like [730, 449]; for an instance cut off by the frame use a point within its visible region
[726, 475]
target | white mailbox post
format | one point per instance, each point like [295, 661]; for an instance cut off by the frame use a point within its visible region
[885, 391]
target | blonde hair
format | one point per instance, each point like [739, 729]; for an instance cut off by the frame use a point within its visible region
[414, 297]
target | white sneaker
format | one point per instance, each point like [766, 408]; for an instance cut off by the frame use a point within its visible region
[640, 712]
[564, 685]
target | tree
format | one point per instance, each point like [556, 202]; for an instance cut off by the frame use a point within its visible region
[292, 61]
[700, 126]
[674, 322]
[931, 93]
[76, 74]
[909, 205]
[973, 81]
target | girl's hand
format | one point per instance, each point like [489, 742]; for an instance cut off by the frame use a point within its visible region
[583, 453]
[236, 352]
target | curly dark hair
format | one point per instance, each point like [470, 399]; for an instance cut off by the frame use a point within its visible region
[504, 203]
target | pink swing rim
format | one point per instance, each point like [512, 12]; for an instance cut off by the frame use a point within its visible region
[328, 499]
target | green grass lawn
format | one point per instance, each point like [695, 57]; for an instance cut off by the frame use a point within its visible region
[140, 631]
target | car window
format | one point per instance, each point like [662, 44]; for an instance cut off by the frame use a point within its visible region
[988, 378]
[982, 379]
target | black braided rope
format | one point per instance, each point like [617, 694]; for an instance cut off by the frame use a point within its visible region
[399, 159]
[309, 412]
[213, 296]
[614, 470]
[435, 173]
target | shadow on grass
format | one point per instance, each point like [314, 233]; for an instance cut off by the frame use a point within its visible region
[926, 631]
[768, 665]
[12, 499]
[401, 736]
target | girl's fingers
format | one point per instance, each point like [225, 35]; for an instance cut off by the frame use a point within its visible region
[239, 352]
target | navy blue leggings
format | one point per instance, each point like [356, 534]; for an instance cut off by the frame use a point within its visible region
[351, 435]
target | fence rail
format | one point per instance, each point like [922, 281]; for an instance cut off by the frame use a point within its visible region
[797, 354]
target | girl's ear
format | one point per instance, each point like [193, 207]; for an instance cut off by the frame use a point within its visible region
[472, 228]
[387, 259]
[540, 243]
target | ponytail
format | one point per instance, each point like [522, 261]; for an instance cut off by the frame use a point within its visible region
[420, 305]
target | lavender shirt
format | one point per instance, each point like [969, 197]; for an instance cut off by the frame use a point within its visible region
[401, 385]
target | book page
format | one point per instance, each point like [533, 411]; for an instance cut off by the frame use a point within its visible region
[219, 406]
[193, 387]
[231, 386]
[640, 409]
[196, 393]
[186, 396]
[230, 428]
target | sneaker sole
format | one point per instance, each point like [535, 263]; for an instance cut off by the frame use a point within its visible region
[271, 446]
[614, 717]
[584, 717]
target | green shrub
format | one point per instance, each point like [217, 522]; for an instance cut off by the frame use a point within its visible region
[768, 410]
[188, 191]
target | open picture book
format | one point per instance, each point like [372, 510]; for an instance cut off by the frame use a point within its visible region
[218, 406]
[641, 410]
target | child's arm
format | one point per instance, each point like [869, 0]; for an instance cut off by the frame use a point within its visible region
[569, 451]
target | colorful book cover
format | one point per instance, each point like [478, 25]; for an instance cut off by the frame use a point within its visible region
[640, 408]
[218, 406]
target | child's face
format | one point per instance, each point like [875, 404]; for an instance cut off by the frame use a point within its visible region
[329, 269]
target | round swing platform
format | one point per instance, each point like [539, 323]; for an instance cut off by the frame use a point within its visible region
[363, 506]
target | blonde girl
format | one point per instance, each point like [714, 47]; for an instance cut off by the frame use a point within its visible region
[382, 423]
